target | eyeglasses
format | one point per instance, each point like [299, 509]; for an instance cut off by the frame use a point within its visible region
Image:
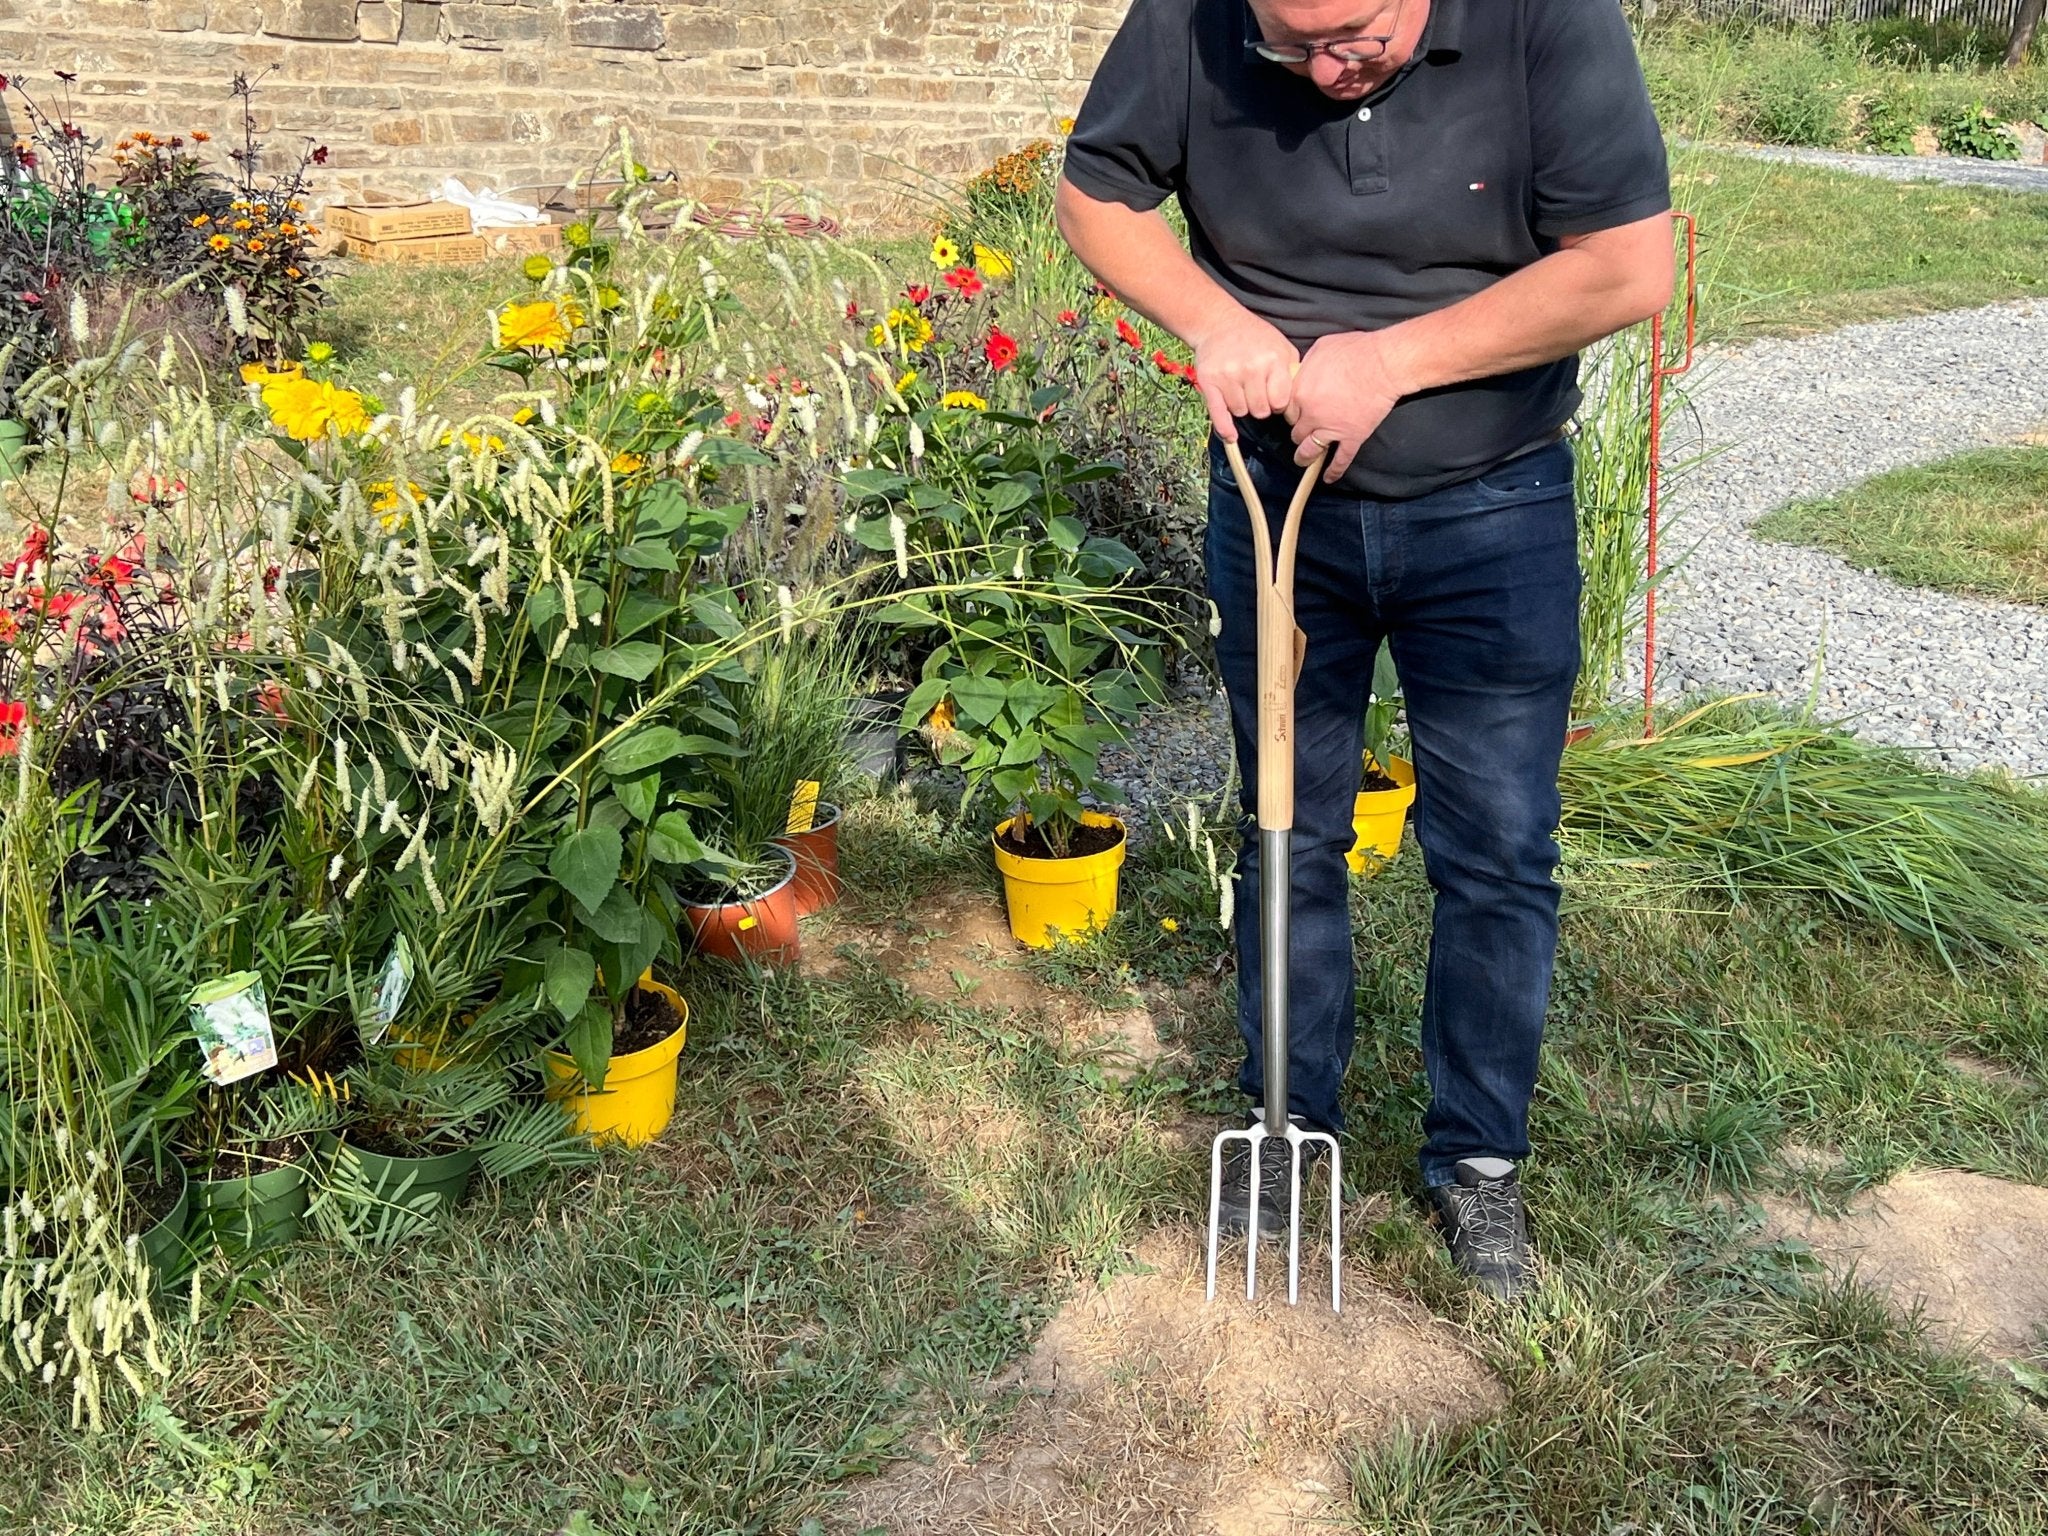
[1345, 50]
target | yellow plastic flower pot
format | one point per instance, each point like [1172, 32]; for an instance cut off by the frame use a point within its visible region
[1377, 817]
[1060, 898]
[639, 1095]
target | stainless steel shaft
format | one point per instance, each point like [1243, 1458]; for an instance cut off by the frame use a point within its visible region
[1276, 886]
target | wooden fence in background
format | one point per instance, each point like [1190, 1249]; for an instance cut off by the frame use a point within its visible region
[1993, 15]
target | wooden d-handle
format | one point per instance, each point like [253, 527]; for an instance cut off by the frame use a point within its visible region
[1281, 642]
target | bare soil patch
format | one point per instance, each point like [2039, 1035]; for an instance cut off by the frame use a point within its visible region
[959, 949]
[1970, 1251]
[1144, 1409]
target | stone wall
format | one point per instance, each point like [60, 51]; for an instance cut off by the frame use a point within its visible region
[859, 100]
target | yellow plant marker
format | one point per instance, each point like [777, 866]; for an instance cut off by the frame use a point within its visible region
[749, 921]
[803, 807]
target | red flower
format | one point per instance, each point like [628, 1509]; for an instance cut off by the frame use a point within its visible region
[918, 293]
[3, 82]
[13, 716]
[270, 575]
[1127, 333]
[1188, 373]
[34, 550]
[1068, 317]
[964, 281]
[852, 310]
[1000, 350]
[733, 418]
[320, 154]
[110, 573]
[270, 698]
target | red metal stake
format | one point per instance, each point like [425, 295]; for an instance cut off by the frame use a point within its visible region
[1659, 372]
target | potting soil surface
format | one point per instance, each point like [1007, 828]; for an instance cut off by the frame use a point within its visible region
[1086, 839]
[649, 1020]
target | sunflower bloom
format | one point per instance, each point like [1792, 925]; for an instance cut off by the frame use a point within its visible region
[963, 400]
[543, 325]
[311, 410]
[627, 463]
[993, 264]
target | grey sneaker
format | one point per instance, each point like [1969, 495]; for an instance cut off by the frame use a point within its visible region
[1484, 1227]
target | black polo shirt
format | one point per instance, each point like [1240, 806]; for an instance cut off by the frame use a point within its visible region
[1516, 122]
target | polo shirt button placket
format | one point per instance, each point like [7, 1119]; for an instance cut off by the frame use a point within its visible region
[1367, 152]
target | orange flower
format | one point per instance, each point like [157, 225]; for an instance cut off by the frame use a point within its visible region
[219, 243]
[255, 247]
[293, 272]
[125, 144]
[243, 224]
[201, 136]
[200, 221]
[287, 229]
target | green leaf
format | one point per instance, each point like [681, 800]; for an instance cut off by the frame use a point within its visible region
[920, 703]
[1067, 532]
[586, 863]
[589, 1040]
[629, 956]
[637, 610]
[1029, 698]
[617, 919]
[639, 796]
[672, 841]
[567, 980]
[650, 555]
[1008, 495]
[1021, 748]
[715, 615]
[646, 747]
[635, 660]
[874, 482]
[980, 698]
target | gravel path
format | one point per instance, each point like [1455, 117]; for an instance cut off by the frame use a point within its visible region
[1965, 677]
[1955, 170]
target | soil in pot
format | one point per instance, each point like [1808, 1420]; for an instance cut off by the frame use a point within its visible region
[759, 925]
[151, 1197]
[1030, 843]
[1376, 781]
[649, 1021]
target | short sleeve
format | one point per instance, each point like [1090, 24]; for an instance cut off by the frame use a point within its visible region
[1130, 141]
[1599, 154]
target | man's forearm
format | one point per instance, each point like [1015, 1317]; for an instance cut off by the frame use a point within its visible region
[1137, 257]
[1550, 309]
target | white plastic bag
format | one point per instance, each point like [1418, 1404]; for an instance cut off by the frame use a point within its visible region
[488, 210]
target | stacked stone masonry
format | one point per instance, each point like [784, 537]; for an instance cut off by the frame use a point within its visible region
[870, 105]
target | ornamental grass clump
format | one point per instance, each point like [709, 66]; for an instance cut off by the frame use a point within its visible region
[1756, 801]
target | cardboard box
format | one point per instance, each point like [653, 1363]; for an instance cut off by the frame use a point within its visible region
[443, 250]
[522, 239]
[368, 219]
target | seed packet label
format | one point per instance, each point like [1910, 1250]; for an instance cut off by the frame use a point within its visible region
[231, 1018]
[391, 991]
[803, 807]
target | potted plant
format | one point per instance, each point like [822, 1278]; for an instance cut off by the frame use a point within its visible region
[1388, 786]
[251, 1191]
[792, 740]
[1034, 650]
[413, 1139]
[636, 1097]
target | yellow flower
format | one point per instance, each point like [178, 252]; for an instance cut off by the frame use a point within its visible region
[914, 332]
[1169, 925]
[945, 253]
[522, 416]
[908, 379]
[218, 242]
[476, 444]
[963, 399]
[243, 224]
[255, 247]
[543, 325]
[311, 410]
[877, 337]
[1105, 306]
[259, 373]
[319, 352]
[993, 264]
[536, 267]
[200, 221]
[1066, 125]
[941, 718]
[388, 505]
[627, 463]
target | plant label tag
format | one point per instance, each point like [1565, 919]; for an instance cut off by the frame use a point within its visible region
[391, 991]
[749, 921]
[231, 1020]
[803, 807]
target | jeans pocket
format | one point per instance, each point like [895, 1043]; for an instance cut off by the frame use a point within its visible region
[1531, 477]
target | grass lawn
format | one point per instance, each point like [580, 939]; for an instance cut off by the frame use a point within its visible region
[1787, 249]
[877, 1189]
[1977, 523]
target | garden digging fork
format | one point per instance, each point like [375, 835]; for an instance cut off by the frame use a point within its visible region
[1280, 648]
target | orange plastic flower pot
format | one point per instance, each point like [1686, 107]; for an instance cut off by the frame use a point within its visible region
[761, 927]
[817, 861]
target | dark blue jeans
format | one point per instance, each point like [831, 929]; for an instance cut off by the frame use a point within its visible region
[1476, 587]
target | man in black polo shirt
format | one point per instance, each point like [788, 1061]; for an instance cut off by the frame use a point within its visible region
[1406, 218]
